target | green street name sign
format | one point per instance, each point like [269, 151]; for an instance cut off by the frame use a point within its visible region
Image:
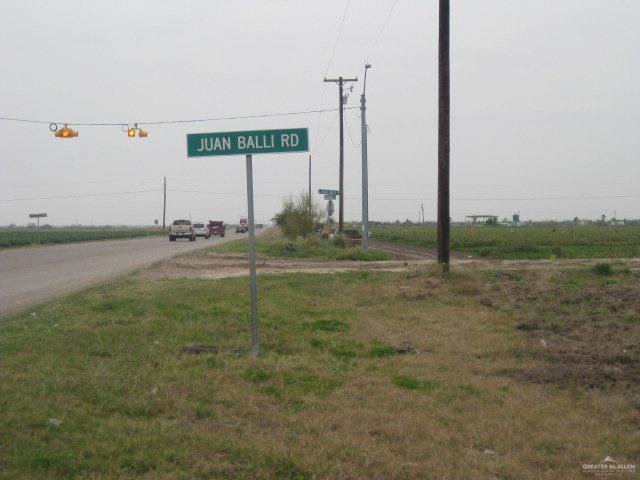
[248, 143]
[323, 191]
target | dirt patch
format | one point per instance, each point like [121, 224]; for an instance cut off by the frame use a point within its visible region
[211, 264]
[587, 329]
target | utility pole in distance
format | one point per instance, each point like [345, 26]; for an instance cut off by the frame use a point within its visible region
[444, 216]
[164, 204]
[341, 81]
[365, 162]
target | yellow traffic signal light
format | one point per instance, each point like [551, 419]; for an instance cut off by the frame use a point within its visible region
[131, 132]
[66, 132]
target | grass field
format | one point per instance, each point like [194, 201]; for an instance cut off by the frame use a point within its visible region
[21, 237]
[272, 244]
[525, 242]
[96, 385]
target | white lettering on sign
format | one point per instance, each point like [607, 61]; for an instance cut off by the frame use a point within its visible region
[284, 139]
[255, 142]
[213, 144]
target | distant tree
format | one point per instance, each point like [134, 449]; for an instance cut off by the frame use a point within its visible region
[12, 225]
[299, 218]
[31, 225]
[491, 221]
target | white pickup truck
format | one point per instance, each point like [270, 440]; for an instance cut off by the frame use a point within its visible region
[182, 229]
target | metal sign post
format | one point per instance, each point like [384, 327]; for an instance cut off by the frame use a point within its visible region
[247, 143]
[255, 346]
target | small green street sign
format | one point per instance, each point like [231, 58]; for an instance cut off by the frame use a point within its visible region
[248, 142]
[324, 191]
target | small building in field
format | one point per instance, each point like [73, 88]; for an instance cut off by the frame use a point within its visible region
[485, 219]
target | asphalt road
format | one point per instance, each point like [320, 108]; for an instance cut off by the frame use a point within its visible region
[35, 274]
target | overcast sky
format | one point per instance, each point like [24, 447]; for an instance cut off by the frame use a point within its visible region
[545, 105]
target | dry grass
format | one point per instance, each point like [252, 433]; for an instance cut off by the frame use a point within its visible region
[328, 398]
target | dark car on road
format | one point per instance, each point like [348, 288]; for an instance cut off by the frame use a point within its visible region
[217, 227]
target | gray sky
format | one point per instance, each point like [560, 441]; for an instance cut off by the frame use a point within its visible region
[545, 104]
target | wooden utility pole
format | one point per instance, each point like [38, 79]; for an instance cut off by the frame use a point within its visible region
[444, 216]
[341, 81]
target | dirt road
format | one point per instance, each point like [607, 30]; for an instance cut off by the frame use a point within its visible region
[30, 275]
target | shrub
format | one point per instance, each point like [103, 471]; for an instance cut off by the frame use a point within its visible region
[602, 269]
[339, 241]
[298, 218]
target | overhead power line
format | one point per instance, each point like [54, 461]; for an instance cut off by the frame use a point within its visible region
[56, 197]
[167, 122]
[280, 195]
[596, 197]
[384, 25]
[335, 44]
[326, 72]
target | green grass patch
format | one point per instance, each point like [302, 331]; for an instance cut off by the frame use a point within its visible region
[256, 375]
[379, 350]
[97, 384]
[22, 237]
[525, 242]
[411, 383]
[311, 248]
[328, 326]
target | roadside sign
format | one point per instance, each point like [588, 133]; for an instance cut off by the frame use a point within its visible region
[324, 191]
[330, 207]
[38, 216]
[248, 142]
[329, 197]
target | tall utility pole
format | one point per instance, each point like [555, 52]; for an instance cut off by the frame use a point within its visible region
[422, 210]
[444, 217]
[365, 167]
[164, 204]
[341, 81]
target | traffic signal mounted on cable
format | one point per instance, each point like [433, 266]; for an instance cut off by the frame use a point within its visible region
[66, 132]
[131, 132]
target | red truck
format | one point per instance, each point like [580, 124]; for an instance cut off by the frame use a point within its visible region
[216, 227]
